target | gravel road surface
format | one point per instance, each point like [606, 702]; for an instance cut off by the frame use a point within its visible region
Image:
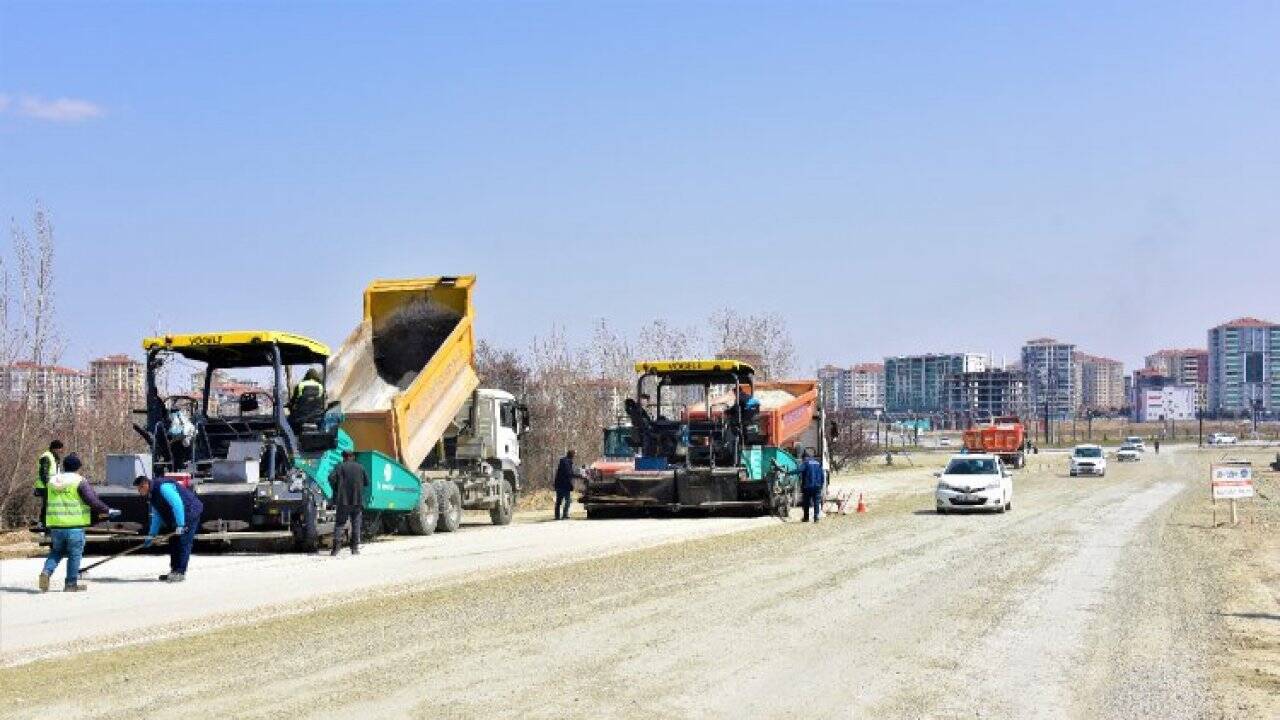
[1095, 598]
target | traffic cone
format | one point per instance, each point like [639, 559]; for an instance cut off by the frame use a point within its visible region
[862, 506]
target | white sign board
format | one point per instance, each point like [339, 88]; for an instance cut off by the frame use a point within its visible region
[1233, 481]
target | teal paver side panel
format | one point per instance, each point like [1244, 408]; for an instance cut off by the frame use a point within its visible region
[391, 485]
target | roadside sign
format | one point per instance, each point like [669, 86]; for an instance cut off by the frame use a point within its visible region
[1231, 481]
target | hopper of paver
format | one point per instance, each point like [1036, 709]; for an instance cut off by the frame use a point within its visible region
[406, 370]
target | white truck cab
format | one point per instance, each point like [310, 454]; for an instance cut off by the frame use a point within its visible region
[480, 453]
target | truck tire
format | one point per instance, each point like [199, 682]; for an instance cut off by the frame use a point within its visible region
[450, 501]
[305, 529]
[423, 519]
[371, 526]
[502, 512]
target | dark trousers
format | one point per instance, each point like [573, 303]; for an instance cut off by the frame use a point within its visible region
[180, 547]
[566, 497]
[44, 505]
[355, 514]
[812, 499]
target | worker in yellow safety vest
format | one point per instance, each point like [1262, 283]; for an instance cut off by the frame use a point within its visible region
[47, 466]
[71, 504]
[306, 402]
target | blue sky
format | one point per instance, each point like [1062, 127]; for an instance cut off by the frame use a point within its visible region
[890, 177]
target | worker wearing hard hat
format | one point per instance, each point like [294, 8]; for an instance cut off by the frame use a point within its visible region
[70, 506]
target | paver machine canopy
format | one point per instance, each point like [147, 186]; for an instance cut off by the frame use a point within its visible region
[664, 430]
[259, 414]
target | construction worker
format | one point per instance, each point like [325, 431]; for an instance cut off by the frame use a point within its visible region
[46, 467]
[306, 402]
[176, 509]
[812, 480]
[71, 504]
[349, 480]
[565, 473]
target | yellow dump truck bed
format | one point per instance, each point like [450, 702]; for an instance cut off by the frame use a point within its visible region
[405, 371]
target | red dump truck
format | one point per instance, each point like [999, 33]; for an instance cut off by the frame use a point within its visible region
[786, 411]
[1004, 436]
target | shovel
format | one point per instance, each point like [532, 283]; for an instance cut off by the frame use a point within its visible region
[124, 552]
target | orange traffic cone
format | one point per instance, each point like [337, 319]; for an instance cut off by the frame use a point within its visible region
[862, 506]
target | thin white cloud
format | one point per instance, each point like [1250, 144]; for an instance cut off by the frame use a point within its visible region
[60, 110]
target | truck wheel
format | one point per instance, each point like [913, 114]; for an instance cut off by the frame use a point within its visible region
[371, 526]
[502, 512]
[423, 519]
[306, 533]
[450, 499]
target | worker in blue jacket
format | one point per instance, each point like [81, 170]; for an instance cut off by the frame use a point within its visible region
[812, 483]
[176, 509]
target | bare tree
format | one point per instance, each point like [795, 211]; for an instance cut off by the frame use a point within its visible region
[661, 340]
[847, 445]
[764, 338]
[29, 334]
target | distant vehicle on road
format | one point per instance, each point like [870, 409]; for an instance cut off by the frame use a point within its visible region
[1223, 439]
[1088, 460]
[974, 481]
[1005, 437]
[1128, 453]
[944, 441]
[1137, 442]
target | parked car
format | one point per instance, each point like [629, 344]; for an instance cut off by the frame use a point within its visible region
[944, 441]
[1128, 453]
[1223, 439]
[974, 481]
[1088, 460]
[1137, 442]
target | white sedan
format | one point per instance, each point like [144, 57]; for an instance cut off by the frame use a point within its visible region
[1088, 460]
[1128, 453]
[974, 482]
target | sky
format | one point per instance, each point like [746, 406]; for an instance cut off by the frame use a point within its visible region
[890, 178]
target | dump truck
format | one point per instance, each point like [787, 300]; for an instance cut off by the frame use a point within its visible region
[259, 471]
[407, 375]
[407, 385]
[698, 448]
[1004, 436]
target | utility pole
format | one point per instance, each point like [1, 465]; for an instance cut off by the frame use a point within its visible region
[1200, 415]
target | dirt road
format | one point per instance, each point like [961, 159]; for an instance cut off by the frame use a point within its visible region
[1094, 598]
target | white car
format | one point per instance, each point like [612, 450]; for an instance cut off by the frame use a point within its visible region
[1088, 460]
[1137, 442]
[1222, 439]
[974, 482]
[1128, 453]
[944, 441]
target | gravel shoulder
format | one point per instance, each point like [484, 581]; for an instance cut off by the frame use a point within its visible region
[1095, 598]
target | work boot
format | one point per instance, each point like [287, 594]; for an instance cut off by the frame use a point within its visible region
[173, 577]
[75, 588]
[44, 582]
